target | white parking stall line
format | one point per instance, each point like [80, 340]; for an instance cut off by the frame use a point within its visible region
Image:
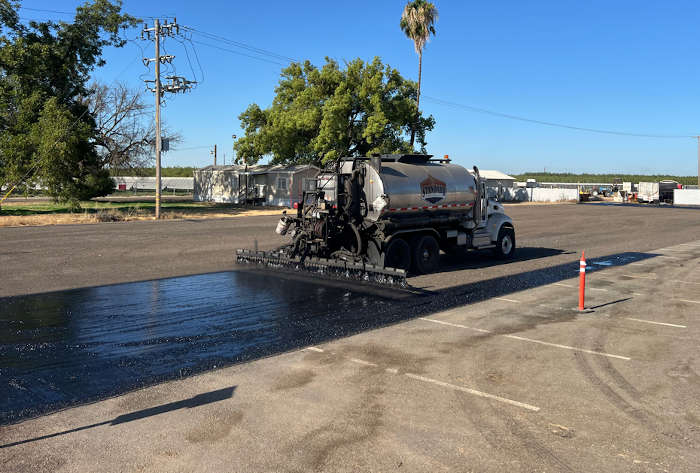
[656, 323]
[689, 301]
[450, 324]
[563, 285]
[566, 347]
[685, 282]
[443, 384]
[637, 294]
[637, 276]
[523, 405]
[596, 289]
[507, 300]
[362, 362]
[530, 340]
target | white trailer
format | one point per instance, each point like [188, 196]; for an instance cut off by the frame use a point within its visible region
[648, 192]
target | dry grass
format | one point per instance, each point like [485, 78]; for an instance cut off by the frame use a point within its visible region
[113, 215]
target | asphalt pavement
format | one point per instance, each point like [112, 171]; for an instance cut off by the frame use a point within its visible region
[487, 368]
[51, 258]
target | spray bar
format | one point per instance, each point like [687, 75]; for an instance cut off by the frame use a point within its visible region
[335, 268]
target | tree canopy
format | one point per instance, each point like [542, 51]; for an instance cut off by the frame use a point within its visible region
[318, 115]
[46, 131]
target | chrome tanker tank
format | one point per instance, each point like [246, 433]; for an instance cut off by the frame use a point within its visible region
[415, 184]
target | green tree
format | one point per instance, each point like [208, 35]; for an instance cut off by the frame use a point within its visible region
[46, 131]
[318, 115]
[418, 23]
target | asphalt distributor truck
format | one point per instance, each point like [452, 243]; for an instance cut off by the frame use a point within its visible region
[378, 218]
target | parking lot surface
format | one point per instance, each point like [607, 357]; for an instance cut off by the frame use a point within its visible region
[497, 372]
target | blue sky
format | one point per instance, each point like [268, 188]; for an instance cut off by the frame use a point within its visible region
[615, 64]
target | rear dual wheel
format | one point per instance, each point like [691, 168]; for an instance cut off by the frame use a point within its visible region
[422, 255]
[397, 254]
[426, 254]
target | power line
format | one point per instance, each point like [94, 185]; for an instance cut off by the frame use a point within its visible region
[242, 45]
[484, 111]
[191, 148]
[47, 11]
[239, 53]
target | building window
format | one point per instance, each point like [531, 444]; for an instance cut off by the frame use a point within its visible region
[281, 184]
[309, 184]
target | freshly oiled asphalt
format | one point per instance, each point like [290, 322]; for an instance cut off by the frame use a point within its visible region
[291, 313]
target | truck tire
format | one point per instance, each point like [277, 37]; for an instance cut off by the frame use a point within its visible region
[426, 254]
[397, 254]
[505, 246]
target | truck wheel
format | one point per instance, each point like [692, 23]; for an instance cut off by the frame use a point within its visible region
[505, 246]
[397, 254]
[426, 254]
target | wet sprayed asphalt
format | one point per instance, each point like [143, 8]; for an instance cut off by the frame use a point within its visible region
[63, 348]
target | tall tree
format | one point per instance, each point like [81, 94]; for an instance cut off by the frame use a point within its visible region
[47, 134]
[418, 23]
[321, 114]
[125, 129]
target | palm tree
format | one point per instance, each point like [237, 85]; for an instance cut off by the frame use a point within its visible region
[417, 21]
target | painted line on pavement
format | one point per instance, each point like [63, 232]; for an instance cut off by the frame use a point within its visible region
[450, 324]
[523, 405]
[685, 282]
[656, 323]
[507, 300]
[637, 294]
[362, 362]
[636, 276]
[596, 289]
[531, 340]
[455, 387]
[686, 300]
[563, 285]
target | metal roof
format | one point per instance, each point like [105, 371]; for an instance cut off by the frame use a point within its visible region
[495, 175]
[260, 168]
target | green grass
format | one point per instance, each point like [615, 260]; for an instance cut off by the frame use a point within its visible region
[606, 178]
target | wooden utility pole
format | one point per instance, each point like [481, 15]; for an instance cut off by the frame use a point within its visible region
[177, 84]
[156, 27]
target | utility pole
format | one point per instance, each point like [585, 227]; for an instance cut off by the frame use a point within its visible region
[213, 153]
[156, 26]
[177, 84]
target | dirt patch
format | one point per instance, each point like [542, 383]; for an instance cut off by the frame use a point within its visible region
[295, 379]
[215, 427]
[119, 216]
[387, 357]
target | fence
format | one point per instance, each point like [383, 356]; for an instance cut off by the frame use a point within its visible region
[149, 183]
[539, 194]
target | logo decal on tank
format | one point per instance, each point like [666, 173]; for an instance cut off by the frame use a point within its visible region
[433, 190]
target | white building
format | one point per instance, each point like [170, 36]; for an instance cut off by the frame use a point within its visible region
[263, 185]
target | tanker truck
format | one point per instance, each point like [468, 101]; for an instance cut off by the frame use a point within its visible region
[379, 218]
